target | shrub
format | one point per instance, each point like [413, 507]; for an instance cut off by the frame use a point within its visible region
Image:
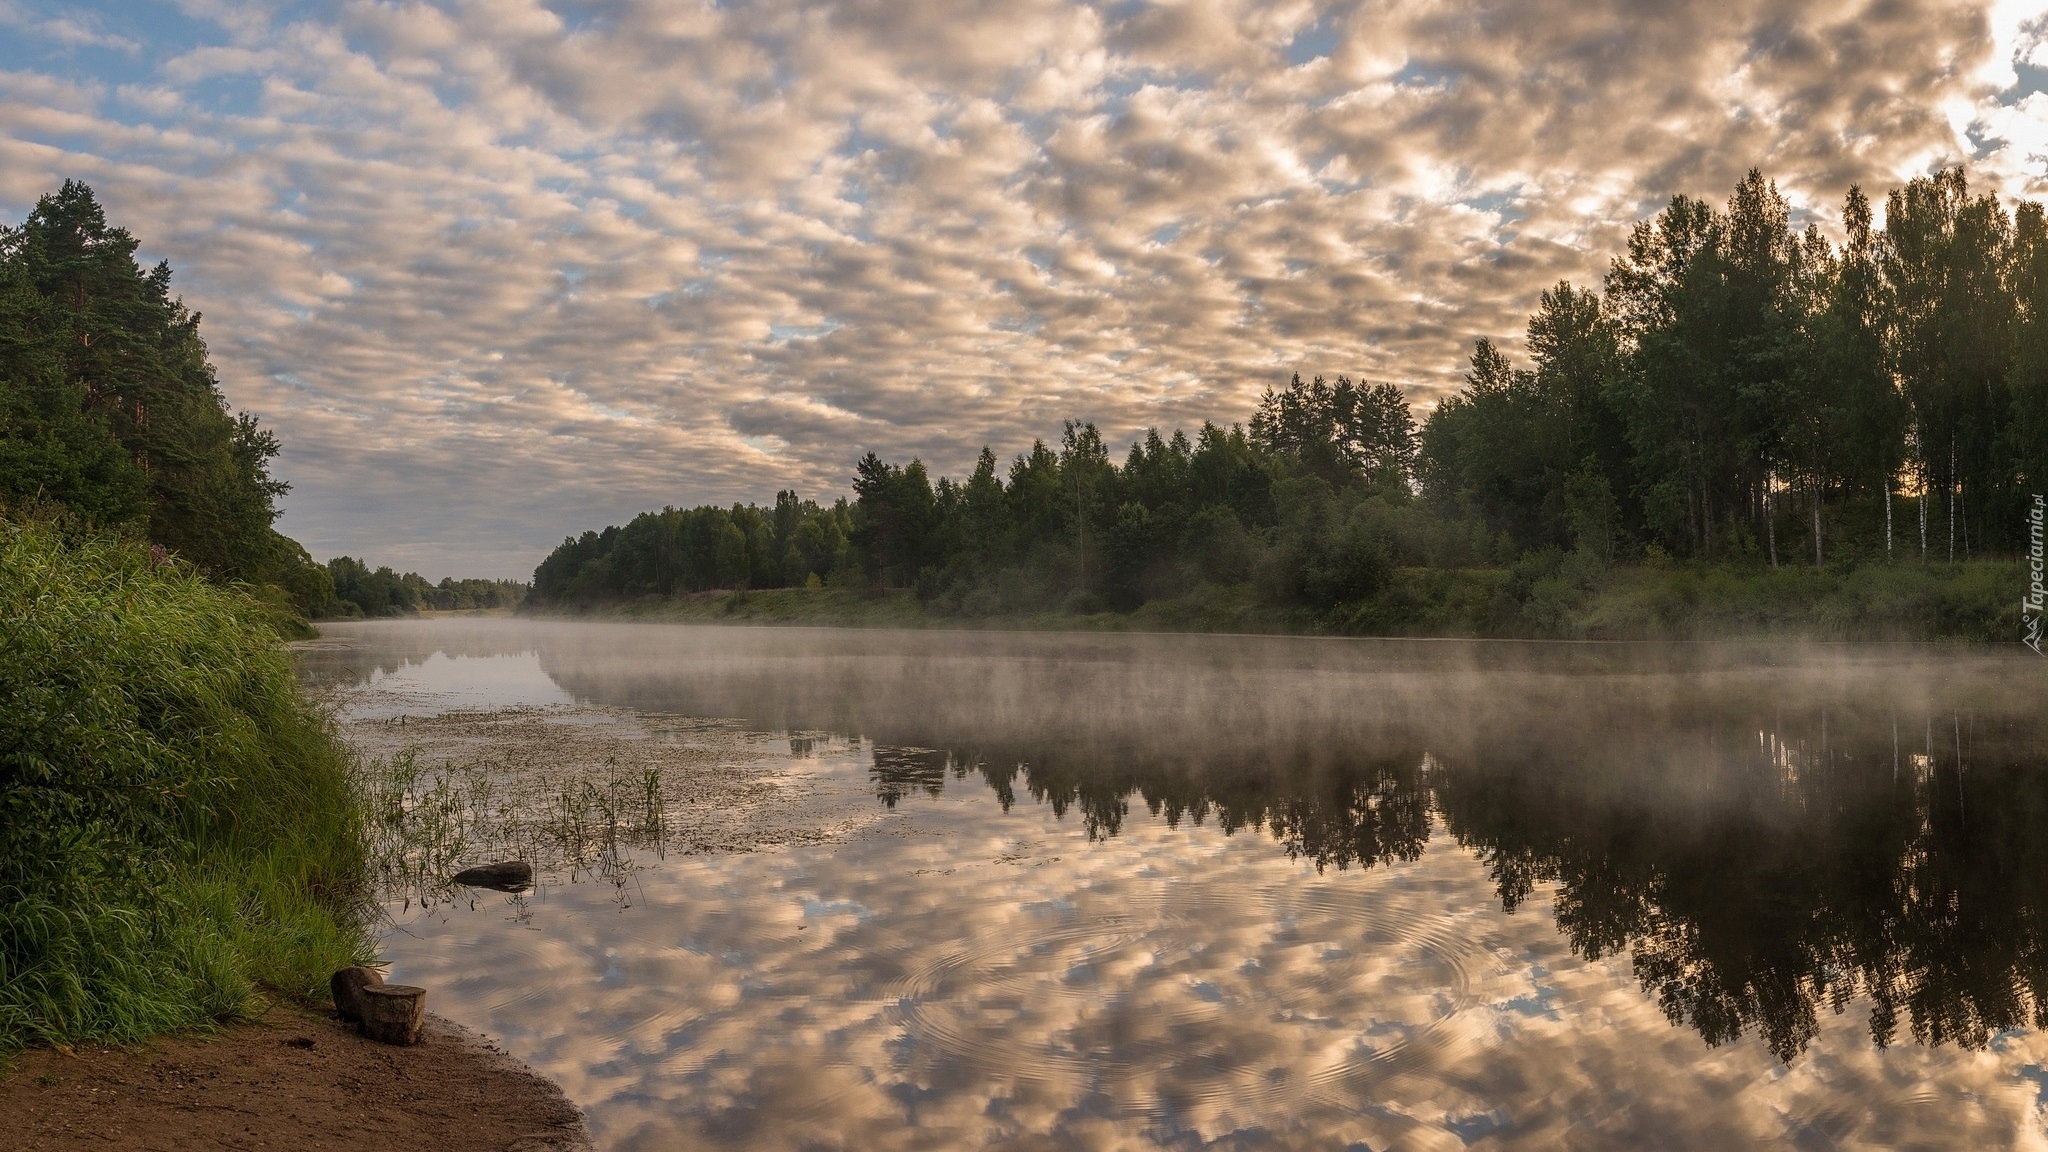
[178, 826]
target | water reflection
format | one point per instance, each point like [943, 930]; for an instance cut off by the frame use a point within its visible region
[1770, 844]
[1756, 877]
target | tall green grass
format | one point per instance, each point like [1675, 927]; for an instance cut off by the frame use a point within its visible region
[179, 828]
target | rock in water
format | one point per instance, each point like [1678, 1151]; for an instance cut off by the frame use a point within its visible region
[393, 1013]
[504, 876]
[347, 986]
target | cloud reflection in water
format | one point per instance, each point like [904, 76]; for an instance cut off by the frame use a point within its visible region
[1454, 948]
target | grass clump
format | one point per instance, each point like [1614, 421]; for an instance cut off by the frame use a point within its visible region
[178, 826]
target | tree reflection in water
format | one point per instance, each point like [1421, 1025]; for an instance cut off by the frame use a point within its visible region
[1755, 874]
[1767, 832]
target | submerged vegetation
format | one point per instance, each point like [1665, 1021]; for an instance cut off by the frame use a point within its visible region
[180, 827]
[1742, 398]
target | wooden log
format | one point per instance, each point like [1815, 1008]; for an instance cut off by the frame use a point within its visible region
[504, 876]
[347, 986]
[393, 1013]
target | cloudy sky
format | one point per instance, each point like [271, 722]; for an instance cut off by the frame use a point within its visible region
[502, 270]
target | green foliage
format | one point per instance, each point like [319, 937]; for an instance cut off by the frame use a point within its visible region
[1741, 387]
[110, 411]
[682, 550]
[1740, 393]
[360, 591]
[179, 826]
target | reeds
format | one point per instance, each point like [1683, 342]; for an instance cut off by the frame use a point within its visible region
[427, 823]
[178, 827]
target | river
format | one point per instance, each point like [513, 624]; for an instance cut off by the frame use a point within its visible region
[865, 889]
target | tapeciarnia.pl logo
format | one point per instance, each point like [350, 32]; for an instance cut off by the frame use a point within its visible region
[2030, 608]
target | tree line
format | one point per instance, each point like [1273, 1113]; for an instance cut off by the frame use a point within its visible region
[111, 420]
[1745, 389]
[1738, 391]
[110, 414]
[361, 591]
[678, 550]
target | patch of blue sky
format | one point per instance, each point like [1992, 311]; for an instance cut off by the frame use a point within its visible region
[115, 41]
[1334, 187]
[858, 143]
[1167, 233]
[1505, 204]
[234, 94]
[579, 15]
[1315, 42]
[1980, 143]
[1421, 74]
[2032, 78]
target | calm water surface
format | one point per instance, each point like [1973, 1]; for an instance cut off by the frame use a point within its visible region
[881, 890]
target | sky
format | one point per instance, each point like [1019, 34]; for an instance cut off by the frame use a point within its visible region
[500, 271]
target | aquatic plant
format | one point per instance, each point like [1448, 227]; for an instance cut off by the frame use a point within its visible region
[570, 821]
[179, 828]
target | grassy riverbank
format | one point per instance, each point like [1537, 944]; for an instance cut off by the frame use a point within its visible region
[180, 828]
[1554, 596]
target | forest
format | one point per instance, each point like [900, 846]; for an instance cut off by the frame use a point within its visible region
[111, 421]
[179, 837]
[361, 591]
[110, 415]
[1739, 397]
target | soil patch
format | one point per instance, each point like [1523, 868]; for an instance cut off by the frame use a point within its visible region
[293, 1079]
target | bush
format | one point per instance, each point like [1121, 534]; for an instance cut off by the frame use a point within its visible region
[177, 825]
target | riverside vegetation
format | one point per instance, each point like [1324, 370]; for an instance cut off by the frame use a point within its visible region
[180, 831]
[110, 411]
[180, 827]
[110, 415]
[1750, 429]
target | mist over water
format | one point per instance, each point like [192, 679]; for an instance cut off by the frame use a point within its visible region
[1038, 890]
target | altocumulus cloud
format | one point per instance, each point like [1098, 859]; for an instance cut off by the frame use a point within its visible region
[502, 269]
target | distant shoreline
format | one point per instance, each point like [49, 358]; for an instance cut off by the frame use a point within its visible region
[1974, 601]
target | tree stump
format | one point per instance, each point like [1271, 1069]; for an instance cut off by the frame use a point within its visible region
[347, 986]
[393, 1013]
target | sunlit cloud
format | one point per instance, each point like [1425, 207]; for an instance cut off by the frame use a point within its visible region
[499, 270]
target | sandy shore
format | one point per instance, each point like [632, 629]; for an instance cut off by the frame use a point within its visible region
[293, 1079]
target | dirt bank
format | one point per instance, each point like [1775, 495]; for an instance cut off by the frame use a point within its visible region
[293, 1079]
